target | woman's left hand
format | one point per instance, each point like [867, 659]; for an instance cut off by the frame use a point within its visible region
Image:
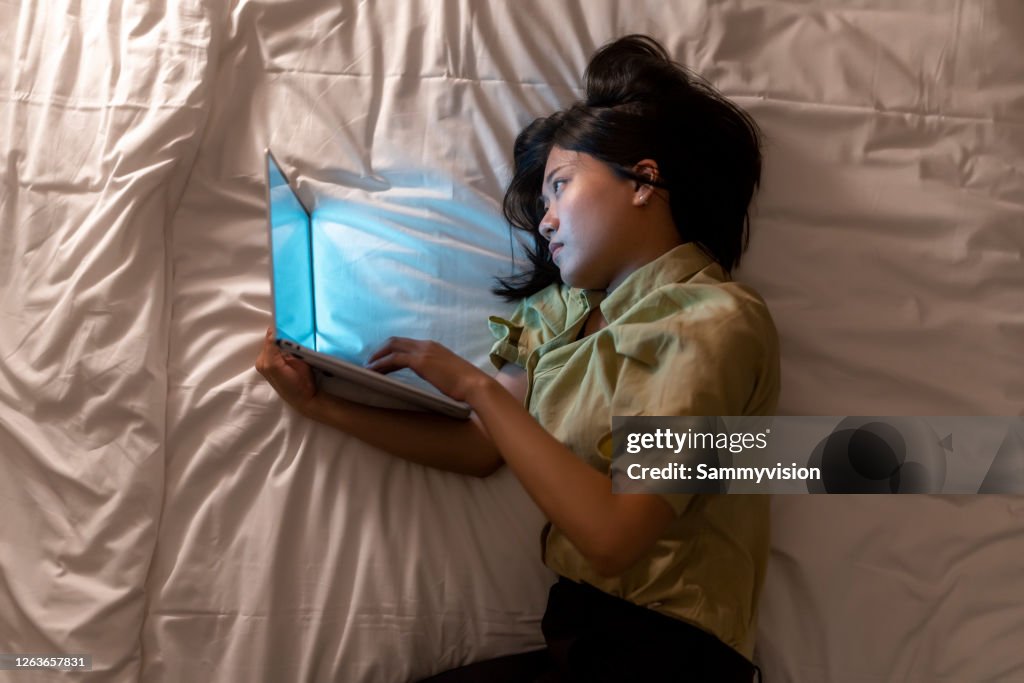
[452, 375]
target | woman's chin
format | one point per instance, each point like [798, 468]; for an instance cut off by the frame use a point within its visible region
[569, 278]
[579, 281]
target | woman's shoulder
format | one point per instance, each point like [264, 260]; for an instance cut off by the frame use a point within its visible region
[710, 298]
[709, 315]
[715, 338]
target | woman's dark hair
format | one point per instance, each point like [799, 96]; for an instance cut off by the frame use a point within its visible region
[641, 105]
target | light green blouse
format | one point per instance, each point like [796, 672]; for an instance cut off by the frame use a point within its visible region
[682, 339]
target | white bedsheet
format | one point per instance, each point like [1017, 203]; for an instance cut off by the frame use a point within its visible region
[164, 513]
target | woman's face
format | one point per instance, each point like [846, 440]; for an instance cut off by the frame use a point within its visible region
[588, 219]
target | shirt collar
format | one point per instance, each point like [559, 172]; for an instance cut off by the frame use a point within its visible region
[676, 265]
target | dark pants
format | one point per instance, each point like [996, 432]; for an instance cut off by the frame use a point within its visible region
[593, 637]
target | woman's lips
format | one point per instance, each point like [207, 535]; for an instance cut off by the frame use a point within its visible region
[555, 248]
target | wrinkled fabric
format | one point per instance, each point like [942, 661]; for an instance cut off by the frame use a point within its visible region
[163, 512]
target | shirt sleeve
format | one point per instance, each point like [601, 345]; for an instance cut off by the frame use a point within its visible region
[714, 366]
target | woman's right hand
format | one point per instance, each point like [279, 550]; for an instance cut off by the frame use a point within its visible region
[290, 377]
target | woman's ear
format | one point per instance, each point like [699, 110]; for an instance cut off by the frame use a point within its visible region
[648, 170]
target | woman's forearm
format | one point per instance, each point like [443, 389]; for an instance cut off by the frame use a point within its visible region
[611, 531]
[462, 446]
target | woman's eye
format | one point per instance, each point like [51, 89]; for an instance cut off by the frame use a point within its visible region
[557, 185]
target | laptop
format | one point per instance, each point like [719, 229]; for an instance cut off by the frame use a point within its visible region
[293, 294]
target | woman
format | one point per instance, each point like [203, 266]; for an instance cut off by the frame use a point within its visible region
[629, 310]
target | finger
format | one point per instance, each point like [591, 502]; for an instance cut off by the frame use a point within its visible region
[270, 351]
[272, 361]
[261, 359]
[268, 339]
[396, 360]
[297, 364]
[391, 345]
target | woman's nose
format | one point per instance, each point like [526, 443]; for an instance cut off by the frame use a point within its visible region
[548, 225]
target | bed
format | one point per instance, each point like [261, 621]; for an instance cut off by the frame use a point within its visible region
[167, 516]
